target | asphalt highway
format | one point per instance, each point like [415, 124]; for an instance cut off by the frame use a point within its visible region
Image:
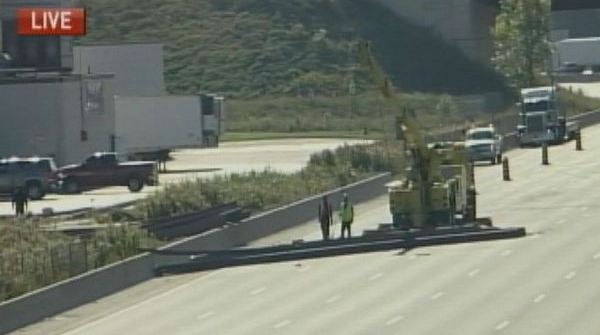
[545, 283]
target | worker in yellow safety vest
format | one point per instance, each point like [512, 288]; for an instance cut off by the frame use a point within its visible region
[346, 215]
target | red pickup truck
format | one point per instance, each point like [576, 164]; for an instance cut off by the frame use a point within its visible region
[104, 169]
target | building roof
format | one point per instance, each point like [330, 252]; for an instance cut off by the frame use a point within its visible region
[560, 5]
[12, 76]
[108, 43]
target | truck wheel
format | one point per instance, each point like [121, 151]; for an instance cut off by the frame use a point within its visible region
[71, 186]
[35, 191]
[135, 184]
[493, 161]
[499, 159]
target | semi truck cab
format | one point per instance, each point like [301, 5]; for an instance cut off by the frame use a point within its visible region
[540, 119]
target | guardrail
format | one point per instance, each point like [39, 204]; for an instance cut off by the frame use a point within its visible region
[90, 286]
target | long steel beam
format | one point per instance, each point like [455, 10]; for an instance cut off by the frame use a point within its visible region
[202, 260]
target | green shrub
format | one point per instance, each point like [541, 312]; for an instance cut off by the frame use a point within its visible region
[576, 103]
[249, 48]
[32, 257]
[261, 190]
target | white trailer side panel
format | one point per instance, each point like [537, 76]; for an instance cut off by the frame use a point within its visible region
[153, 123]
[581, 51]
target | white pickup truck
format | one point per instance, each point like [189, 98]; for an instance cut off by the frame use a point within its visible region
[484, 144]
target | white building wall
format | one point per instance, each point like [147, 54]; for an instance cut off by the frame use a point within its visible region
[138, 67]
[30, 128]
[99, 124]
[46, 119]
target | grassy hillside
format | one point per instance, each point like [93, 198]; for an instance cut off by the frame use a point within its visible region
[250, 48]
[342, 114]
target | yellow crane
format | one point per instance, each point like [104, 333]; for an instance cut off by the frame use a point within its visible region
[438, 189]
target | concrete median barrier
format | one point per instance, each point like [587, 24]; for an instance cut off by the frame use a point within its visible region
[74, 292]
[587, 119]
[68, 294]
[271, 222]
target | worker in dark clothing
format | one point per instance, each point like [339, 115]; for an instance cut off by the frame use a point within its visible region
[346, 216]
[19, 201]
[325, 217]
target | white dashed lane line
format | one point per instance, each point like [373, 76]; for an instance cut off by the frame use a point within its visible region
[474, 273]
[506, 253]
[539, 298]
[258, 290]
[437, 296]
[570, 275]
[206, 315]
[281, 324]
[376, 276]
[502, 325]
[333, 299]
[394, 320]
[303, 268]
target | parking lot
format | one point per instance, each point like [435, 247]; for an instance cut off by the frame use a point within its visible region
[287, 155]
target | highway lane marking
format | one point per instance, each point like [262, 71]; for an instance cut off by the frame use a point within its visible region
[561, 221]
[474, 273]
[584, 209]
[539, 298]
[333, 299]
[282, 324]
[570, 275]
[394, 320]
[412, 257]
[376, 276]
[258, 290]
[506, 253]
[141, 303]
[502, 325]
[205, 315]
[437, 295]
[597, 256]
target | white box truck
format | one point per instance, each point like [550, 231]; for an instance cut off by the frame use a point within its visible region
[576, 54]
[150, 127]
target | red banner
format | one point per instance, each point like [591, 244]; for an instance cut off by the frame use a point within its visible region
[51, 21]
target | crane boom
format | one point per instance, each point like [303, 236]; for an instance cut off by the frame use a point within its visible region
[439, 186]
[407, 122]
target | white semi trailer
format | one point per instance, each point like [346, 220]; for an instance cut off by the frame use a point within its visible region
[582, 52]
[150, 127]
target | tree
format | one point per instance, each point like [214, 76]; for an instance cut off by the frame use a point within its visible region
[521, 38]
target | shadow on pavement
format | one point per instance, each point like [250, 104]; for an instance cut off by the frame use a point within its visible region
[181, 171]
